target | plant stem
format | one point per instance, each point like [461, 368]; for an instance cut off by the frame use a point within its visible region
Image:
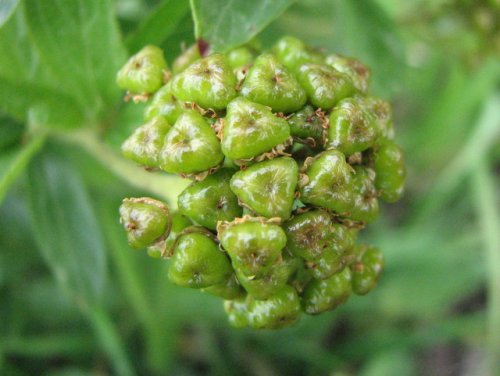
[164, 186]
[489, 220]
[110, 340]
[19, 162]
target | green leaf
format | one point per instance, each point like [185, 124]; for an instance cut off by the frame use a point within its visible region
[51, 108]
[227, 24]
[66, 228]
[79, 44]
[7, 7]
[14, 161]
[158, 25]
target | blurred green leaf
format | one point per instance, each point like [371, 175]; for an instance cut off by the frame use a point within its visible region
[158, 25]
[79, 43]
[447, 122]
[10, 132]
[66, 229]
[51, 108]
[14, 161]
[485, 189]
[228, 24]
[365, 30]
[6, 9]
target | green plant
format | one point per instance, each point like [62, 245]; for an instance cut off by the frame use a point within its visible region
[233, 110]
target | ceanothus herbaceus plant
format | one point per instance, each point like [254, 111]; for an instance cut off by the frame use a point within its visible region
[288, 154]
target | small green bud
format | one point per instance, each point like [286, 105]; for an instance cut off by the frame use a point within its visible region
[145, 144]
[292, 53]
[231, 289]
[271, 84]
[365, 205]
[146, 221]
[253, 244]
[352, 128]
[278, 311]
[358, 73]
[197, 262]
[210, 200]
[324, 85]
[268, 188]
[251, 129]
[366, 269]
[191, 146]
[208, 82]
[326, 294]
[143, 73]
[308, 124]
[327, 182]
[165, 105]
[390, 170]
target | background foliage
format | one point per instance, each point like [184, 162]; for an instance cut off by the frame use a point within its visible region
[75, 300]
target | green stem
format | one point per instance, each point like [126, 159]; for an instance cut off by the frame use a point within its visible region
[164, 186]
[489, 220]
[19, 163]
[110, 340]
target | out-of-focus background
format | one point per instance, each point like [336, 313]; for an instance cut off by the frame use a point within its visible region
[76, 300]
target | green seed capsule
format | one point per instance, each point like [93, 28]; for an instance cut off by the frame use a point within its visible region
[358, 73]
[251, 129]
[208, 82]
[143, 72]
[240, 57]
[326, 294]
[327, 264]
[390, 171]
[383, 116]
[278, 311]
[186, 58]
[230, 289]
[365, 205]
[191, 146]
[145, 144]
[269, 83]
[324, 85]
[268, 188]
[179, 223]
[197, 262]
[252, 246]
[210, 200]
[352, 127]
[237, 312]
[328, 182]
[312, 234]
[308, 124]
[270, 281]
[367, 269]
[165, 105]
[292, 53]
[146, 221]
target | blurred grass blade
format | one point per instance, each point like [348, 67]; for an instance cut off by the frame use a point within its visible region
[485, 189]
[110, 341]
[227, 24]
[66, 228]
[364, 29]
[80, 44]
[484, 136]
[13, 162]
[158, 25]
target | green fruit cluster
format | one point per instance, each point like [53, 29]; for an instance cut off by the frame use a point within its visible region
[289, 156]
